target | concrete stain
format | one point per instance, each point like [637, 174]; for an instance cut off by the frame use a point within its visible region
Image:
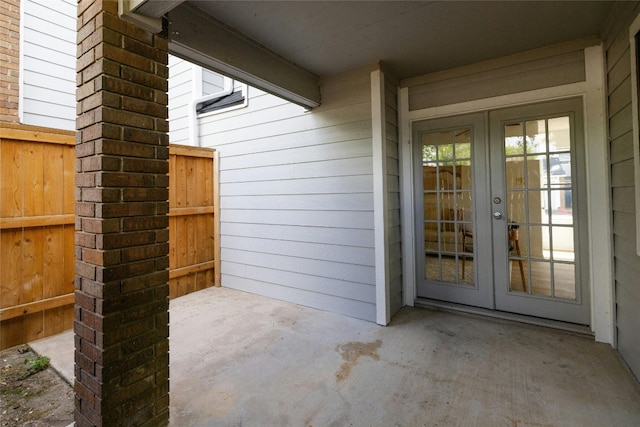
[352, 351]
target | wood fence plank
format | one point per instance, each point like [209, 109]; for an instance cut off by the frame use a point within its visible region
[11, 179]
[36, 306]
[192, 239]
[33, 179]
[69, 260]
[173, 243]
[191, 196]
[190, 151]
[11, 269]
[53, 261]
[172, 182]
[33, 326]
[189, 269]
[69, 180]
[36, 221]
[53, 179]
[198, 210]
[54, 321]
[11, 333]
[21, 132]
[32, 287]
[208, 184]
[181, 182]
[181, 242]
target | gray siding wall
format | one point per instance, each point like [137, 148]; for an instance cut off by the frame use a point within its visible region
[394, 246]
[296, 197]
[519, 73]
[626, 262]
[48, 63]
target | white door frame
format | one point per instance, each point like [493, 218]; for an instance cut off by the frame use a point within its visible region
[592, 91]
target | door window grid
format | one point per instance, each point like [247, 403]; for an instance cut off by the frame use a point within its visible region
[447, 198]
[543, 149]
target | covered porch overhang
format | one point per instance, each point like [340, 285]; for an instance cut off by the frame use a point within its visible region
[283, 49]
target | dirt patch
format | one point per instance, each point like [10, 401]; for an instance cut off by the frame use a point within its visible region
[32, 394]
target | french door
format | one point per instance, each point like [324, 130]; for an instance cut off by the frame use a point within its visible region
[499, 210]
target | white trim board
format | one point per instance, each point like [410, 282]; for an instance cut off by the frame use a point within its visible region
[380, 196]
[599, 225]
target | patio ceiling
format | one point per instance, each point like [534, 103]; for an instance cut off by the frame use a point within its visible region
[317, 38]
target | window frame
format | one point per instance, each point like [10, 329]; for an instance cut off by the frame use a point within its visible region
[237, 87]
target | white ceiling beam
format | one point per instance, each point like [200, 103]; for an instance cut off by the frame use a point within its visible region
[153, 8]
[201, 39]
[127, 11]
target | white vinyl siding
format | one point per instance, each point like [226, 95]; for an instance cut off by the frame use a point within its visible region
[296, 197]
[180, 95]
[626, 262]
[48, 63]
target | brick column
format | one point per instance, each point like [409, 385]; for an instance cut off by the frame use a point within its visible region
[9, 59]
[121, 310]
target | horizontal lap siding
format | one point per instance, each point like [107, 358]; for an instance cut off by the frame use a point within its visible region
[626, 262]
[393, 198]
[180, 90]
[296, 197]
[505, 79]
[48, 63]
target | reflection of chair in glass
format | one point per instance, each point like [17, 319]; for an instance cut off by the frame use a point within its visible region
[514, 244]
[466, 230]
[466, 233]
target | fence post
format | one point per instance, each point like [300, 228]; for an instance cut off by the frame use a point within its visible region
[121, 309]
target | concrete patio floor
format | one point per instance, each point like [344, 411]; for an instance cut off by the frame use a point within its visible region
[239, 359]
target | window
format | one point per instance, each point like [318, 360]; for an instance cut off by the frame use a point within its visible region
[220, 94]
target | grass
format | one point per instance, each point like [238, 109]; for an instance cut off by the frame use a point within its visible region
[36, 365]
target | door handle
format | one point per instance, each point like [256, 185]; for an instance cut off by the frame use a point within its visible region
[497, 215]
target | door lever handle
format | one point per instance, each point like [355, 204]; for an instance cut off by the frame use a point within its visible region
[497, 215]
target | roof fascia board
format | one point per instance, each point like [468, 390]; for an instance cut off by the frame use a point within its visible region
[201, 39]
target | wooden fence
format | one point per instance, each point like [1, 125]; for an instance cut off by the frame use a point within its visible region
[37, 259]
[193, 231]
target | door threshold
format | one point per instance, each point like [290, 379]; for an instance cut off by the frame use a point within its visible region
[502, 315]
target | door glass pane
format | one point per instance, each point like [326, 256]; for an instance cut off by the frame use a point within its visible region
[536, 133]
[516, 207]
[562, 240]
[537, 243]
[539, 205]
[536, 172]
[541, 278]
[564, 280]
[559, 134]
[515, 172]
[514, 139]
[448, 202]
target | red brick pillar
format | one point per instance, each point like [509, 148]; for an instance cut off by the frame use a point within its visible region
[9, 59]
[121, 310]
